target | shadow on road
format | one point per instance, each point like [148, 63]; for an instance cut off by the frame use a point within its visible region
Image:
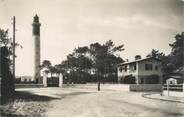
[73, 94]
[27, 96]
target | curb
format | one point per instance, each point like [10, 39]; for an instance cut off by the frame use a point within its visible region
[168, 100]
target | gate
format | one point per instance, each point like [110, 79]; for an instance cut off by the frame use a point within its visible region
[173, 87]
[53, 82]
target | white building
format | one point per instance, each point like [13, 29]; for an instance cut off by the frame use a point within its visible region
[141, 71]
[25, 79]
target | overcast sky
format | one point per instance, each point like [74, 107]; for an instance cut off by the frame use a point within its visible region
[142, 25]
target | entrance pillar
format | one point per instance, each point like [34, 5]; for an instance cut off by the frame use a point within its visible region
[44, 79]
[60, 80]
[137, 79]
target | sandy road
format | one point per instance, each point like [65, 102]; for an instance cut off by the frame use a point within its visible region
[81, 102]
[88, 102]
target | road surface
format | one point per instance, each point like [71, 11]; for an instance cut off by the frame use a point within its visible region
[82, 102]
[88, 102]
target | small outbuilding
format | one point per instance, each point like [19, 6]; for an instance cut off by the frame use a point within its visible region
[178, 78]
[171, 81]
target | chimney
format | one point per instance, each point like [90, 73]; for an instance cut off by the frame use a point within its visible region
[137, 57]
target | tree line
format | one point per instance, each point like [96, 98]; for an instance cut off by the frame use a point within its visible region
[6, 65]
[98, 62]
[172, 64]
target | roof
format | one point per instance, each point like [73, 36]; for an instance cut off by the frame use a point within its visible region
[139, 60]
[176, 77]
[180, 70]
[171, 79]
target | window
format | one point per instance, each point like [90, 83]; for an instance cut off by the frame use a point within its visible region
[148, 66]
[135, 67]
[125, 68]
[120, 69]
[156, 67]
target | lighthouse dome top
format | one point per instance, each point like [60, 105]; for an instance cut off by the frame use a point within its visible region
[36, 18]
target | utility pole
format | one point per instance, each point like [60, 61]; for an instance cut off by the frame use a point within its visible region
[13, 48]
[183, 56]
[98, 80]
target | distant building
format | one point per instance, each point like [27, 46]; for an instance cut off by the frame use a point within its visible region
[174, 79]
[140, 71]
[171, 81]
[24, 79]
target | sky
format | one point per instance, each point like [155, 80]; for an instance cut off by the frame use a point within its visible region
[141, 25]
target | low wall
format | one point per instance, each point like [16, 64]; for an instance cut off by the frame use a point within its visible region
[146, 87]
[28, 85]
[115, 87]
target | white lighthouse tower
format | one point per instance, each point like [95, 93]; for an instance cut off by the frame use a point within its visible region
[36, 36]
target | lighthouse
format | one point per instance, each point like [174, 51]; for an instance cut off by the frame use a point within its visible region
[36, 36]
